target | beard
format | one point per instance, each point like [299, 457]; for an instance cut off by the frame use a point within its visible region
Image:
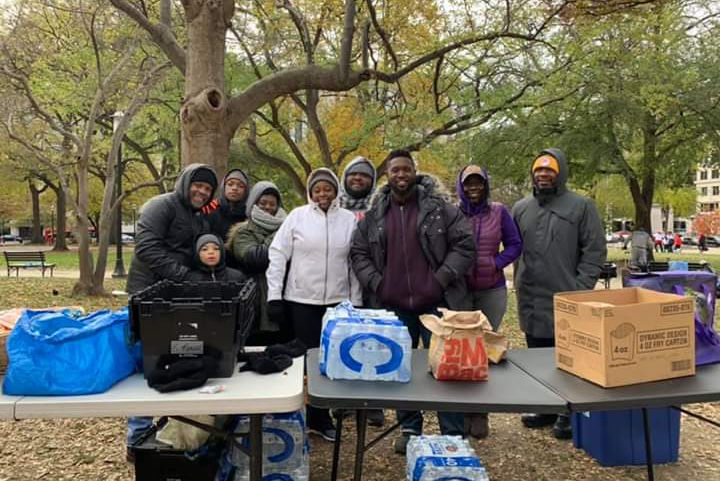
[358, 193]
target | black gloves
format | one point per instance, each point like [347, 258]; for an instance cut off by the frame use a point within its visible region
[255, 260]
[173, 374]
[276, 312]
[275, 358]
[264, 363]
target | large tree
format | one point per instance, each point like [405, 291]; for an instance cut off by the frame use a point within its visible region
[329, 55]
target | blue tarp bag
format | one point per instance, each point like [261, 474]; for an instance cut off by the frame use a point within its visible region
[53, 353]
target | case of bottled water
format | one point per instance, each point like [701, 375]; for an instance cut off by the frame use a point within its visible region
[285, 450]
[365, 344]
[435, 458]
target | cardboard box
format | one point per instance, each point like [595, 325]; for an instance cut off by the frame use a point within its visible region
[624, 336]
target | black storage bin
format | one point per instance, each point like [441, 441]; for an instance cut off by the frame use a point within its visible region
[156, 461]
[191, 319]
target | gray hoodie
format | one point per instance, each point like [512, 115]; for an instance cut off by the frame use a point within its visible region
[563, 250]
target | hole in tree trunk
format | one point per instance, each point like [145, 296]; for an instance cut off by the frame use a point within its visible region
[214, 98]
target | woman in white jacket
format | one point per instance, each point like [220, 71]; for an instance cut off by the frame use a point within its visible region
[312, 247]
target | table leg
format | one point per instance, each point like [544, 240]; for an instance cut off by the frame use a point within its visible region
[256, 440]
[648, 445]
[360, 444]
[336, 446]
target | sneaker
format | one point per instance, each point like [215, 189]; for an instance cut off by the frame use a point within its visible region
[562, 429]
[327, 433]
[478, 425]
[533, 421]
[375, 417]
[401, 442]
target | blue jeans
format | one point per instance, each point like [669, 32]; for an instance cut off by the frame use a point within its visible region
[136, 427]
[450, 423]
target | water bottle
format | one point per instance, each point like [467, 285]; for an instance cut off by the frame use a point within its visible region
[432, 458]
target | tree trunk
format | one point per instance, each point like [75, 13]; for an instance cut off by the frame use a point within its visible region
[87, 284]
[205, 135]
[60, 220]
[36, 237]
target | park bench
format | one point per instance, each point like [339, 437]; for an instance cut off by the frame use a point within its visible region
[27, 260]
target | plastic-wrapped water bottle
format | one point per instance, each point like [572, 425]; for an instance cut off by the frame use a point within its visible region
[367, 348]
[285, 450]
[434, 458]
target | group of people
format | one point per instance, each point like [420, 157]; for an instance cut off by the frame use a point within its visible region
[404, 247]
[667, 242]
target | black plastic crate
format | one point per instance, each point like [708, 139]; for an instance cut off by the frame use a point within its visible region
[155, 461]
[191, 319]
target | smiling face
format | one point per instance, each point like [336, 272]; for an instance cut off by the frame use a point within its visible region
[210, 254]
[235, 190]
[357, 182]
[323, 193]
[200, 193]
[401, 175]
[268, 203]
[544, 177]
[474, 189]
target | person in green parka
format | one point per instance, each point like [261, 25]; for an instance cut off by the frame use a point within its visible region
[248, 242]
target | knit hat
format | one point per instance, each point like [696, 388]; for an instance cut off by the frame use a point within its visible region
[546, 161]
[206, 239]
[204, 175]
[361, 165]
[471, 170]
[237, 174]
[322, 174]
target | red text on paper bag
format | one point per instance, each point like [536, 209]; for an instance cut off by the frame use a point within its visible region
[457, 348]
[464, 360]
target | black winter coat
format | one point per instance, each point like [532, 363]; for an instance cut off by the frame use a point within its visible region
[166, 231]
[445, 237]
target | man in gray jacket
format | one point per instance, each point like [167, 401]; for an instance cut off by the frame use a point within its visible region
[563, 250]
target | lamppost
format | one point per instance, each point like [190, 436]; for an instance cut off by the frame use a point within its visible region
[52, 224]
[134, 213]
[119, 266]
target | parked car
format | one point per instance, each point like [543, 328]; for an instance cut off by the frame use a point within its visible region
[712, 241]
[127, 239]
[8, 238]
[690, 240]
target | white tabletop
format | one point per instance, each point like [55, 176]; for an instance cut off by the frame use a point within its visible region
[245, 393]
[7, 403]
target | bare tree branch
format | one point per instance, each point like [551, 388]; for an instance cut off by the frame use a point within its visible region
[274, 161]
[383, 34]
[347, 40]
[160, 33]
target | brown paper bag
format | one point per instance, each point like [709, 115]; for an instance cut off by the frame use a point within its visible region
[460, 344]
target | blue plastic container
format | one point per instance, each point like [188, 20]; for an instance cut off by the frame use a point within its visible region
[617, 438]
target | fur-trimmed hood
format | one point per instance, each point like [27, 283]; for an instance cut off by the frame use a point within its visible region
[427, 184]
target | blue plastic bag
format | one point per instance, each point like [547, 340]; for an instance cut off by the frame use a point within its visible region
[53, 353]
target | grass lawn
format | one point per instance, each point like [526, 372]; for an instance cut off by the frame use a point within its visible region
[68, 260]
[689, 253]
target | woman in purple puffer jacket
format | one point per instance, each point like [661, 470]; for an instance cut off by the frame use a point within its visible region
[492, 226]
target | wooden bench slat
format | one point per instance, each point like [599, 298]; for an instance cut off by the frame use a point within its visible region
[27, 260]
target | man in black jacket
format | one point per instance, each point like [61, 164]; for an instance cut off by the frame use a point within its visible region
[168, 226]
[411, 253]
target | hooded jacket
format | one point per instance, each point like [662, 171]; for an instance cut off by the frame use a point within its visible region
[166, 230]
[356, 205]
[220, 272]
[492, 225]
[563, 249]
[227, 213]
[248, 235]
[445, 239]
[313, 247]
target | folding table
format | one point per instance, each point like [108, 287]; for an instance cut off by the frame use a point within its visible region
[583, 395]
[508, 389]
[245, 393]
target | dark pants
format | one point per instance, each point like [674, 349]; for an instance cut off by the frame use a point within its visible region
[450, 423]
[306, 322]
[533, 341]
